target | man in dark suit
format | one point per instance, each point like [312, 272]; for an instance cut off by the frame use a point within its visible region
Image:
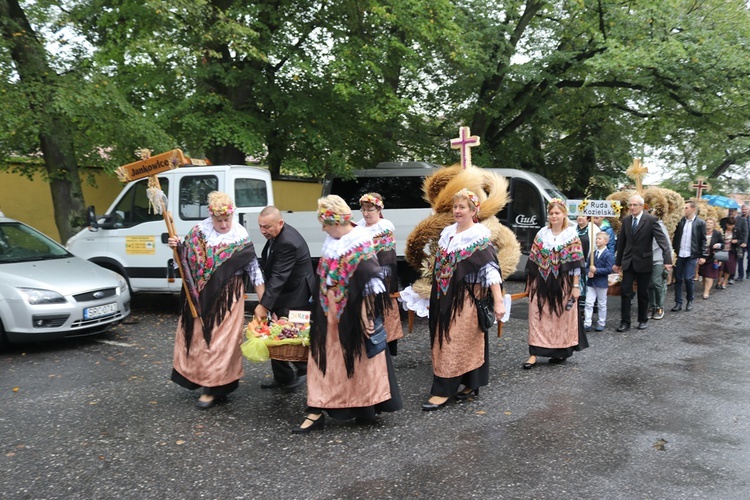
[689, 242]
[635, 258]
[290, 279]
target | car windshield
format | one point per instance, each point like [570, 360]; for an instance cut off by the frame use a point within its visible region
[20, 243]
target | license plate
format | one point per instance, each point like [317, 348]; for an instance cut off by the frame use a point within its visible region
[99, 311]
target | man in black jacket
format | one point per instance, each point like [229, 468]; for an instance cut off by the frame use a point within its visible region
[290, 279]
[689, 242]
[636, 259]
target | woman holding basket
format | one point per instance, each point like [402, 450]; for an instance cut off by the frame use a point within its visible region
[342, 378]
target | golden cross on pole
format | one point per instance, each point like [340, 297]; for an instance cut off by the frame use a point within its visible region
[465, 141]
[637, 172]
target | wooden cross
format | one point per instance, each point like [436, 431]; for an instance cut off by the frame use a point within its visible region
[700, 185]
[465, 141]
[637, 172]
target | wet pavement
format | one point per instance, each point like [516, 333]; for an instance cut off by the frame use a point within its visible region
[658, 413]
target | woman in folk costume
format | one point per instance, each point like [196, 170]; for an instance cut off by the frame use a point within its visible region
[553, 273]
[216, 256]
[465, 265]
[381, 231]
[341, 378]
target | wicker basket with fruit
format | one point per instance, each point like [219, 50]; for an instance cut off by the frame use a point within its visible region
[279, 339]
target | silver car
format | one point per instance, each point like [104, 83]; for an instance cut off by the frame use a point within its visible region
[48, 293]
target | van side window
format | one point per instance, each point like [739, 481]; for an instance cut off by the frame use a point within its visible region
[194, 191]
[133, 208]
[250, 193]
[398, 192]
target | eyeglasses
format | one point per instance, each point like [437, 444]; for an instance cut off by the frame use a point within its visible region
[368, 210]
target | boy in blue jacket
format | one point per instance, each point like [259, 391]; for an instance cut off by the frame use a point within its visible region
[598, 283]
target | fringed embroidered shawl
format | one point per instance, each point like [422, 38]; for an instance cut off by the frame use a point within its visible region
[384, 243]
[349, 267]
[553, 261]
[463, 260]
[217, 263]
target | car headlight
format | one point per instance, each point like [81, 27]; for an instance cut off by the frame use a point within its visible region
[36, 296]
[122, 285]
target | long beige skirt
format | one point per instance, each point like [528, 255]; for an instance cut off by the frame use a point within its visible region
[368, 386]
[551, 331]
[465, 351]
[219, 363]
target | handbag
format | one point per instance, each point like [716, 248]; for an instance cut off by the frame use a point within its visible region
[376, 342]
[485, 311]
[721, 256]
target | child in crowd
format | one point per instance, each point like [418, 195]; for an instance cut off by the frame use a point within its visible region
[598, 283]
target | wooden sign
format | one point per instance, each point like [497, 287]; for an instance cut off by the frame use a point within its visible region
[152, 166]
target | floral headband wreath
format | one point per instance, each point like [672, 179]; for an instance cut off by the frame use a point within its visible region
[221, 210]
[373, 200]
[327, 216]
[557, 201]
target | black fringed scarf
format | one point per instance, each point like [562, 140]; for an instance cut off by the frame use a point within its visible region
[352, 326]
[548, 270]
[219, 294]
[447, 301]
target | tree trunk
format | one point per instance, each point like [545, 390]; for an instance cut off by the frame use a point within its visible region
[56, 142]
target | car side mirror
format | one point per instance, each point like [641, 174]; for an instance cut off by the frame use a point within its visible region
[91, 215]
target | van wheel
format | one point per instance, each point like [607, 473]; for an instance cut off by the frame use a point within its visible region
[3, 338]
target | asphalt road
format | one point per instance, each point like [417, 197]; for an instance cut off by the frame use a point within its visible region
[659, 413]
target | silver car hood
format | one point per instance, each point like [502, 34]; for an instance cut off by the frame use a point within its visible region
[66, 276]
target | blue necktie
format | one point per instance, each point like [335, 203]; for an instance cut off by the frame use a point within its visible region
[635, 223]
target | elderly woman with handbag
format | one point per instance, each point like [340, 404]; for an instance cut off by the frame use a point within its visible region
[349, 371]
[466, 272]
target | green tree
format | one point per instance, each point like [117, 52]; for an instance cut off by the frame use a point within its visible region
[56, 106]
[575, 89]
[314, 86]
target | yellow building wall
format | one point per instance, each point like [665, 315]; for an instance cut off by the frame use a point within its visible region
[30, 201]
[296, 195]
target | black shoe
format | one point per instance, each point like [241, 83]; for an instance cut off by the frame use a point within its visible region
[427, 406]
[273, 384]
[557, 361]
[642, 325]
[367, 421]
[528, 366]
[689, 305]
[623, 327]
[677, 307]
[463, 396]
[299, 381]
[204, 405]
[317, 425]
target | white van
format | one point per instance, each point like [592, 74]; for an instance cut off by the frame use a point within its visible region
[132, 241]
[400, 183]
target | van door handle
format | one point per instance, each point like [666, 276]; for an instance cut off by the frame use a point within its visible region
[165, 238]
